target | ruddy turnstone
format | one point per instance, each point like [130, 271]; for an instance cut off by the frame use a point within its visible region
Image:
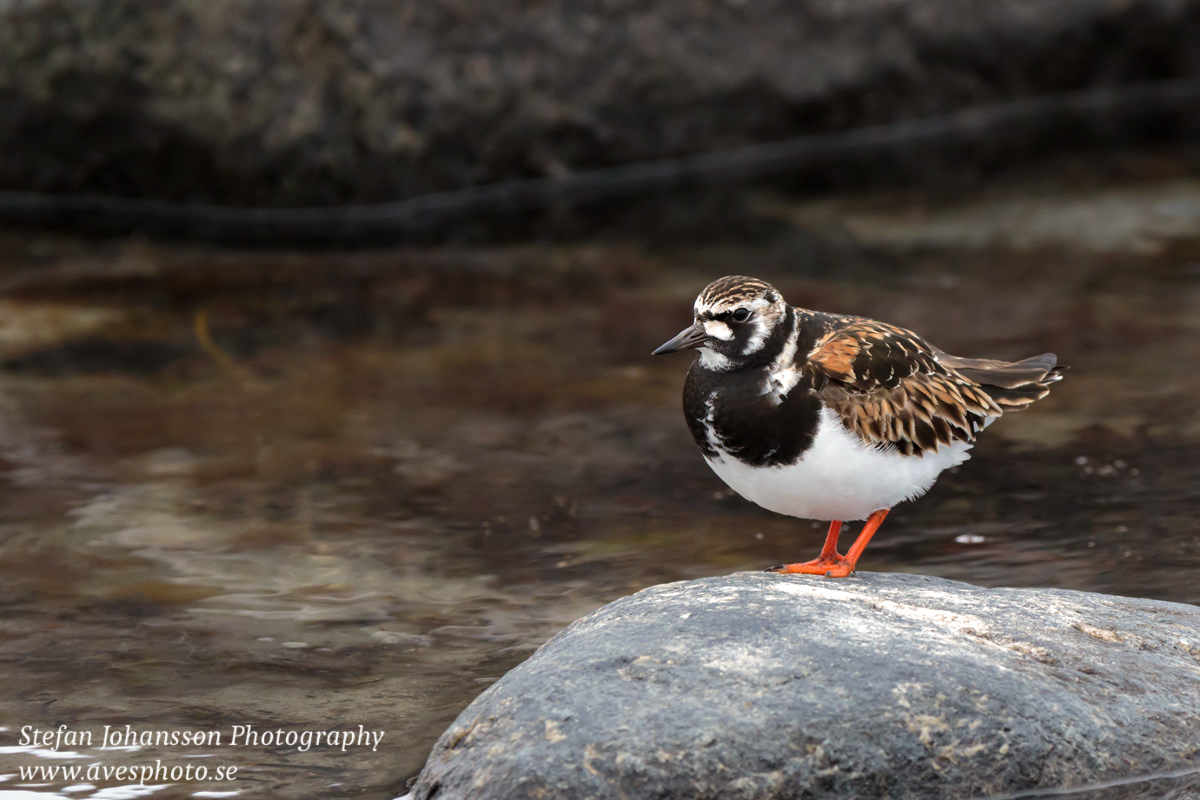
[831, 417]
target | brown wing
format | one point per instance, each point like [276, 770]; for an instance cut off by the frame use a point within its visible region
[893, 389]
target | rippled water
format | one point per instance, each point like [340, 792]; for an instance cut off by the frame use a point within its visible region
[312, 492]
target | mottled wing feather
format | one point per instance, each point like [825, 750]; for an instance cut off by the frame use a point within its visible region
[888, 387]
[1013, 386]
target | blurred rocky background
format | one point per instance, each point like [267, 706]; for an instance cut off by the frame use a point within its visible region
[317, 102]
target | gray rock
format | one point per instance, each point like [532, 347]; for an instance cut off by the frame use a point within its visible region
[764, 686]
[274, 102]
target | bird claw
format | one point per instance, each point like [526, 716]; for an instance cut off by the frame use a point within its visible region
[824, 569]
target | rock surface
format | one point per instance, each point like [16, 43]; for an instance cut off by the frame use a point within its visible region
[764, 686]
[268, 102]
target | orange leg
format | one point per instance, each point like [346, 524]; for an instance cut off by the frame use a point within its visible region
[829, 551]
[829, 563]
[829, 554]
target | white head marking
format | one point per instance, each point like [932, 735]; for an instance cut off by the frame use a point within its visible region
[761, 331]
[718, 330]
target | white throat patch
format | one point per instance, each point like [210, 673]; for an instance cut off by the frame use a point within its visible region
[712, 360]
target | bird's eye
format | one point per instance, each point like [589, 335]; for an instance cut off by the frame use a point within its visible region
[741, 315]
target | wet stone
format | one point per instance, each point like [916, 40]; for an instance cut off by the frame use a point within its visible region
[882, 685]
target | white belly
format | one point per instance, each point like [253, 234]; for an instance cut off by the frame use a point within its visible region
[839, 476]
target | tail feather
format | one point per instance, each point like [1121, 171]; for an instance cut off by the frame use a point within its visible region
[1012, 385]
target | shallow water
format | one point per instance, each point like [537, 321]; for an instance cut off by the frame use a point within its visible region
[318, 491]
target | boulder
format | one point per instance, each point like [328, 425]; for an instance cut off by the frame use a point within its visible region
[881, 685]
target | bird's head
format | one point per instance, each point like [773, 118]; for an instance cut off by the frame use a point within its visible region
[736, 322]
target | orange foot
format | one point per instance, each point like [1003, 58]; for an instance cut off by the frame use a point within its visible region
[834, 566]
[830, 563]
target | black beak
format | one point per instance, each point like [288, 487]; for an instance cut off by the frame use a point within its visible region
[688, 339]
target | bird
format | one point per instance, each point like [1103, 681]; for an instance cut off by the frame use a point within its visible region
[825, 416]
